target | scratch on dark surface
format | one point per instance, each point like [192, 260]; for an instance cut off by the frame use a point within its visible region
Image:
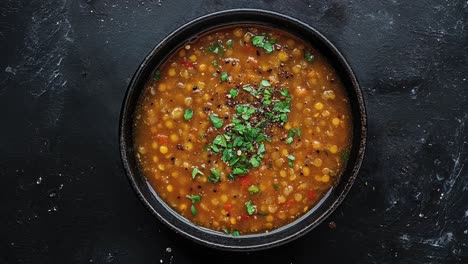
[457, 155]
[45, 47]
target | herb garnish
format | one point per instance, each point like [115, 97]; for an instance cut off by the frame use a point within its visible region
[276, 187]
[251, 209]
[345, 155]
[253, 189]
[195, 172]
[263, 42]
[229, 43]
[308, 56]
[193, 209]
[242, 145]
[194, 199]
[188, 114]
[293, 132]
[224, 76]
[215, 63]
[216, 121]
[291, 159]
[215, 176]
[217, 48]
[157, 75]
[233, 93]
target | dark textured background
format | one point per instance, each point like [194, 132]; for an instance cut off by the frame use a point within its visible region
[64, 69]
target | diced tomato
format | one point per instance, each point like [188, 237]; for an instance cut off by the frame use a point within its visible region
[228, 207]
[187, 64]
[245, 216]
[245, 181]
[162, 139]
[310, 194]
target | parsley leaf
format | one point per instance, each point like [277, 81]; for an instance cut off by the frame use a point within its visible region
[195, 172]
[215, 176]
[215, 63]
[193, 209]
[262, 42]
[188, 114]
[216, 121]
[265, 83]
[253, 189]
[224, 76]
[235, 233]
[229, 43]
[308, 56]
[251, 209]
[345, 155]
[194, 198]
[276, 187]
[157, 75]
[233, 93]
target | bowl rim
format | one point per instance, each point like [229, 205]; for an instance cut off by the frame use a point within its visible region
[207, 236]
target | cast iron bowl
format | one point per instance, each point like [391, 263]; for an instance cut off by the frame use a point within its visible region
[255, 241]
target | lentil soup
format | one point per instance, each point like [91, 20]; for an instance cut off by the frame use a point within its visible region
[243, 130]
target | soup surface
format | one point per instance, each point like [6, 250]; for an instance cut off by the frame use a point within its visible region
[243, 130]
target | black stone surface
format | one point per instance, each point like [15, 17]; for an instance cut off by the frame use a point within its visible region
[64, 69]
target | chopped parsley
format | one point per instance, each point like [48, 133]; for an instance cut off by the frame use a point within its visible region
[233, 93]
[216, 121]
[263, 42]
[276, 187]
[217, 48]
[242, 144]
[157, 75]
[215, 63]
[291, 159]
[253, 189]
[233, 233]
[345, 155]
[251, 209]
[215, 176]
[292, 133]
[195, 172]
[308, 56]
[193, 209]
[194, 198]
[229, 43]
[224, 76]
[263, 213]
[188, 114]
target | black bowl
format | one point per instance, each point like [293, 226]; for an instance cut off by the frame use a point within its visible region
[255, 241]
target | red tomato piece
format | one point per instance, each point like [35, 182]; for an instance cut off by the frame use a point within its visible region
[162, 139]
[187, 64]
[245, 181]
[228, 207]
[310, 194]
[245, 216]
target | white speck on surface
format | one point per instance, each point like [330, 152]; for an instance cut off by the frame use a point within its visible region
[9, 69]
[39, 180]
[168, 250]
[413, 95]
